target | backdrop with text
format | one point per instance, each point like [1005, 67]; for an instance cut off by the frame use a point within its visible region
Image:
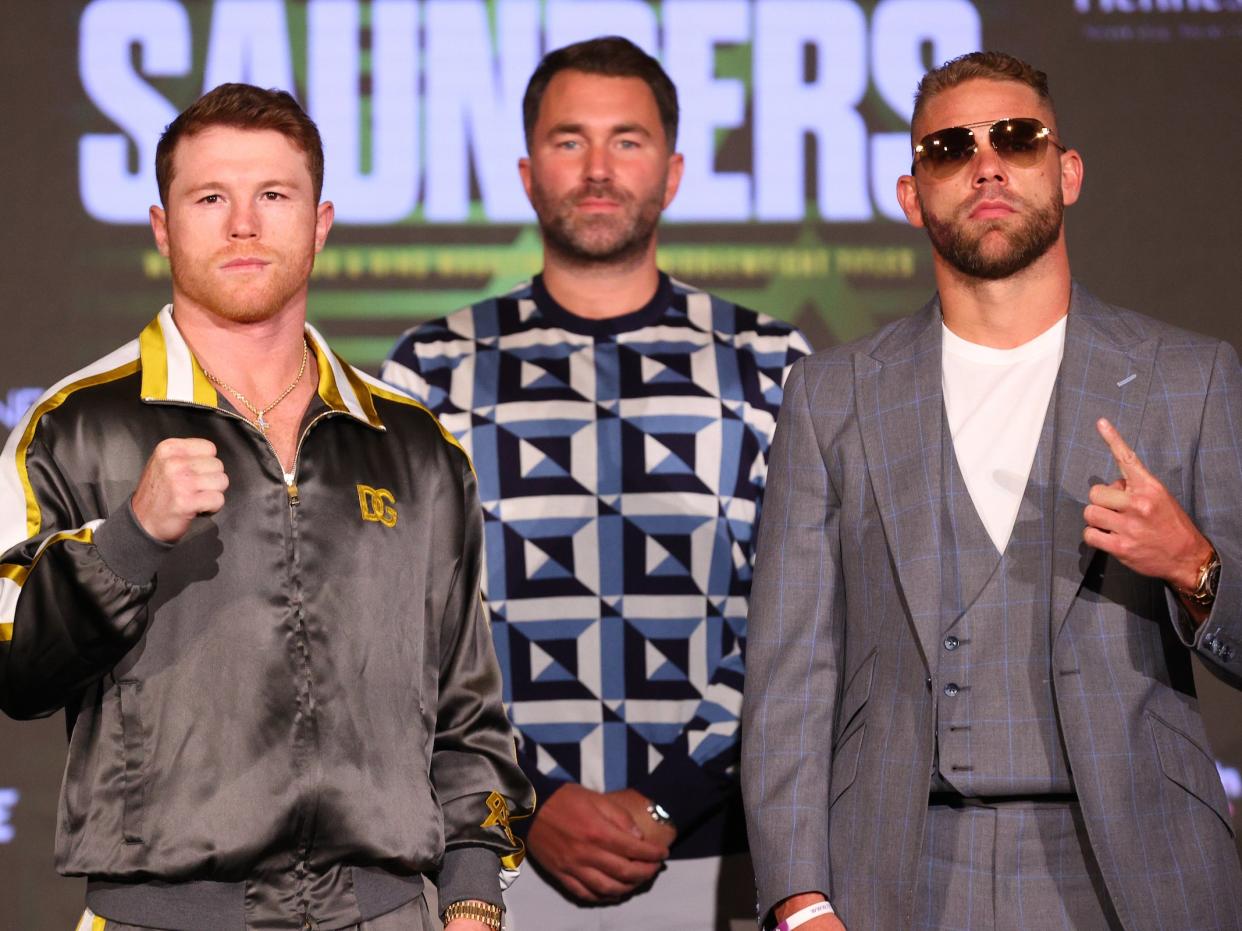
[795, 127]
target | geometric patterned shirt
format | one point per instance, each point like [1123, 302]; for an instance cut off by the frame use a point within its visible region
[621, 464]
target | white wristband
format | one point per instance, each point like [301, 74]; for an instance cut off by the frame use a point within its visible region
[802, 916]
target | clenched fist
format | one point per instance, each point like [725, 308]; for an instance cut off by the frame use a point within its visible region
[182, 479]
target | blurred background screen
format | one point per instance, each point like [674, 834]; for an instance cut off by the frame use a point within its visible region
[794, 126]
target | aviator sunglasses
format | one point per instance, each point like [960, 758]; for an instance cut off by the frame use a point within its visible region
[1020, 141]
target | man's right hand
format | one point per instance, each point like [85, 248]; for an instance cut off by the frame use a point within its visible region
[795, 903]
[591, 846]
[182, 479]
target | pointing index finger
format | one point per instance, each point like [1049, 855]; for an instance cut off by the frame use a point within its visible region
[1127, 459]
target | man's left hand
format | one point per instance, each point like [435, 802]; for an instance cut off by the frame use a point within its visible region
[466, 924]
[1136, 520]
[635, 805]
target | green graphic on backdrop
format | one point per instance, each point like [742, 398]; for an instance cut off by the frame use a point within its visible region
[835, 292]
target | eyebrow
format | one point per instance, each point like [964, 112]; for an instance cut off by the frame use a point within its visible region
[621, 129]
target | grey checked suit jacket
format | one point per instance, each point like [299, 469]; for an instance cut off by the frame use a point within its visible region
[841, 678]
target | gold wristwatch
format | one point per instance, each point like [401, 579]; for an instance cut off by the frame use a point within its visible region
[1204, 592]
[476, 910]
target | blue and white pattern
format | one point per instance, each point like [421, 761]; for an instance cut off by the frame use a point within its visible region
[621, 465]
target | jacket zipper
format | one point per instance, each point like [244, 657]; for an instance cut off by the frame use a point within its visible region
[291, 489]
[291, 478]
[291, 483]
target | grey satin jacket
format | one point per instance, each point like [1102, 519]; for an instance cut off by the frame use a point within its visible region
[290, 715]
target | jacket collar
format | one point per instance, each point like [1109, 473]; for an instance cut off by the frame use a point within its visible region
[170, 373]
[1106, 371]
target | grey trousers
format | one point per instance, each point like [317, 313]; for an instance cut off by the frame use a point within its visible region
[1015, 866]
[413, 916]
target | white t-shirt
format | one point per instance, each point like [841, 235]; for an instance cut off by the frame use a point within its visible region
[996, 401]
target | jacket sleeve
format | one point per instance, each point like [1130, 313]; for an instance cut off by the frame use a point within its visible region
[1214, 505]
[474, 769]
[794, 656]
[74, 587]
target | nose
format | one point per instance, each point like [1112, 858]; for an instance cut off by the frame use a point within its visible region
[598, 163]
[243, 221]
[987, 165]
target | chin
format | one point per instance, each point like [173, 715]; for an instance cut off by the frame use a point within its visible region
[254, 310]
[598, 237]
[602, 249]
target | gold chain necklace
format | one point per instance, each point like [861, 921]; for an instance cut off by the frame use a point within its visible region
[259, 420]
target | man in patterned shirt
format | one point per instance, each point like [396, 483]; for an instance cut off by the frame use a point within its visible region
[620, 423]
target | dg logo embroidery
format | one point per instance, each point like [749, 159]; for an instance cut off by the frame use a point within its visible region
[377, 505]
[498, 813]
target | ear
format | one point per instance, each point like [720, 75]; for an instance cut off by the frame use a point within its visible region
[524, 173]
[159, 228]
[325, 213]
[1071, 176]
[908, 198]
[673, 179]
[676, 168]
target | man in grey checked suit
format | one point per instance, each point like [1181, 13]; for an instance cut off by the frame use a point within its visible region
[994, 532]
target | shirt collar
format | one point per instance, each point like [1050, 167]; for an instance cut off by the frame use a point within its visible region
[559, 316]
[171, 373]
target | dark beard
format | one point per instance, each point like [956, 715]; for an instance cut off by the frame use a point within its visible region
[1026, 243]
[586, 241]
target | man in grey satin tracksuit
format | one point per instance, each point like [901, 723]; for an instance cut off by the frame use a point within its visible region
[994, 533]
[250, 573]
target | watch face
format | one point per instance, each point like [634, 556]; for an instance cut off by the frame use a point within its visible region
[1212, 579]
[659, 813]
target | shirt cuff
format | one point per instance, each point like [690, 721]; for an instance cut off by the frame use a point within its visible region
[686, 790]
[128, 550]
[469, 873]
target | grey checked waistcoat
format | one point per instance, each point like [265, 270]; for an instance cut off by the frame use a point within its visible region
[996, 727]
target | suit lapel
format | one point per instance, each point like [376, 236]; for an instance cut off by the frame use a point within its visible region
[900, 408]
[1105, 372]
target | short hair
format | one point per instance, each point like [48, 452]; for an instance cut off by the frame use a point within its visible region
[611, 56]
[242, 106]
[991, 66]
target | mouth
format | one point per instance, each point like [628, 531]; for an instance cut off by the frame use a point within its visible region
[245, 264]
[991, 210]
[592, 204]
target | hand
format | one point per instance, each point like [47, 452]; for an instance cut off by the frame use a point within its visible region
[1136, 520]
[182, 479]
[634, 803]
[795, 903]
[466, 924]
[591, 846]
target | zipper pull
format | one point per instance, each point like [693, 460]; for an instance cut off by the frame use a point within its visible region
[293, 494]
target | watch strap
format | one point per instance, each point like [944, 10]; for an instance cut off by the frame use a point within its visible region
[476, 910]
[1204, 592]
